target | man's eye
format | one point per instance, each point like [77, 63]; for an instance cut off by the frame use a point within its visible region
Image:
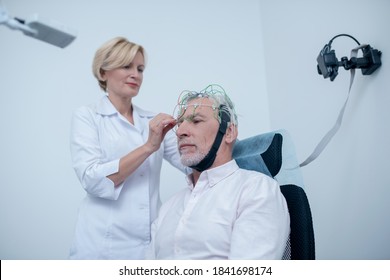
[196, 121]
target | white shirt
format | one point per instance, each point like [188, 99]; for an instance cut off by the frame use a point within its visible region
[231, 213]
[114, 222]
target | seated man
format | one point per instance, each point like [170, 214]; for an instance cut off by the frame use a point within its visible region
[225, 212]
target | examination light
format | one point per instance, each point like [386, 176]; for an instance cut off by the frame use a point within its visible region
[40, 28]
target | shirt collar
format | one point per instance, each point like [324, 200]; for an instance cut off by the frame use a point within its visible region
[214, 175]
[105, 107]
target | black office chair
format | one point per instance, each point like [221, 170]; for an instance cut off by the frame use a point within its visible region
[263, 153]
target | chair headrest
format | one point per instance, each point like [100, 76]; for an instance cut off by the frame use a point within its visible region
[262, 153]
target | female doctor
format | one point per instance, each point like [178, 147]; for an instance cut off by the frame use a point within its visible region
[117, 150]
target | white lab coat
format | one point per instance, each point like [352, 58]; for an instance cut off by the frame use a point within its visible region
[114, 222]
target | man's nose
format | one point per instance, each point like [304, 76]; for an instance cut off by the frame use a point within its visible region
[183, 129]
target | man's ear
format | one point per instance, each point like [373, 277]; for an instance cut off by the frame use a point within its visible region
[231, 134]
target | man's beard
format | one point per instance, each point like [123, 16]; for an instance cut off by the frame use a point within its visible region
[192, 159]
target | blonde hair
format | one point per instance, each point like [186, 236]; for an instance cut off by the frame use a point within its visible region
[115, 53]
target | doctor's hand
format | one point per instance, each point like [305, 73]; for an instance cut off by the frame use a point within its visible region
[158, 128]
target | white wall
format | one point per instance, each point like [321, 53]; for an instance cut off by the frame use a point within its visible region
[347, 184]
[190, 44]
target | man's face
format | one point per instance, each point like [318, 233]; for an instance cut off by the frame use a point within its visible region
[197, 129]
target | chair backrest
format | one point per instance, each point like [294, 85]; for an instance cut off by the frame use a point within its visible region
[263, 153]
[302, 246]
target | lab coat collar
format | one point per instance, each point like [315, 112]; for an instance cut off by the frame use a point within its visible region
[105, 107]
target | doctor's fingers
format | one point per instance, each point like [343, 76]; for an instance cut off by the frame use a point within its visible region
[162, 122]
[162, 118]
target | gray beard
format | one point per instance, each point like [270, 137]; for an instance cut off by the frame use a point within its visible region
[188, 160]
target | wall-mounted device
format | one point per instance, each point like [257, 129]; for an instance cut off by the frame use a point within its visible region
[40, 28]
[328, 66]
[328, 63]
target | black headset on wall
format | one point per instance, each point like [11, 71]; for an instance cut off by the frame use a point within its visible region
[328, 63]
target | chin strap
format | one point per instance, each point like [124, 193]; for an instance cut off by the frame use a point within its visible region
[208, 160]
